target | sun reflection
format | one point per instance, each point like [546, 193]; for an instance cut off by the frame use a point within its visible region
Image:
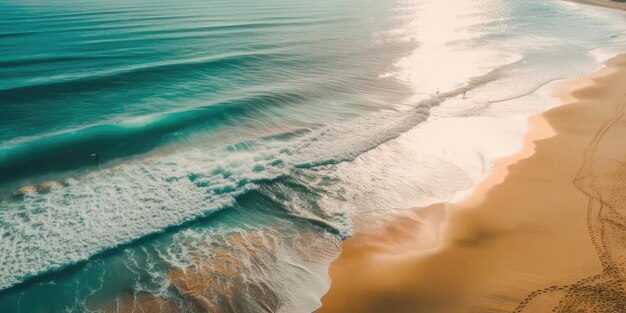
[449, 50]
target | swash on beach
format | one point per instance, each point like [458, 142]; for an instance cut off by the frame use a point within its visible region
[240, 142]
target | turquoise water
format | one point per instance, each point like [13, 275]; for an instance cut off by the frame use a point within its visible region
[244, 139]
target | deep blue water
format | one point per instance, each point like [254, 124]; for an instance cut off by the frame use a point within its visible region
[244, 139]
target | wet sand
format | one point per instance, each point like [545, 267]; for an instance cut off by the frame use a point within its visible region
[233, 273]
[546, 232]
[129, 303]
[603, 3]
[212, 284]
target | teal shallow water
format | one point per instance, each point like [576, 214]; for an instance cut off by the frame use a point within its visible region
[118, 79]
[250, 134]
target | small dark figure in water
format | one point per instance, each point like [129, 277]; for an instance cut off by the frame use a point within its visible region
[463, 94]
[95, 156]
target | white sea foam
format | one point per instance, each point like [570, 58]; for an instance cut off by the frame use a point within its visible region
[448, 154]
[107, 208]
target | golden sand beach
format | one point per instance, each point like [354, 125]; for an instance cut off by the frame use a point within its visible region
[544, 233]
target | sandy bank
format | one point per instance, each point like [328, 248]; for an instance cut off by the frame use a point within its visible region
[545, 233]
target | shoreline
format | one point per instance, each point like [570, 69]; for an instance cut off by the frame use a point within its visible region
[521, 241]
[603, 3]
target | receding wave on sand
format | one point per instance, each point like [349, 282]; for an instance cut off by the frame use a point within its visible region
[542, 234]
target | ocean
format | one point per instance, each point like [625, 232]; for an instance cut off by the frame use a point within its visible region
[212, 155]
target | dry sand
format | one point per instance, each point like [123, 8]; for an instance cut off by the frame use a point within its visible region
[545, 233]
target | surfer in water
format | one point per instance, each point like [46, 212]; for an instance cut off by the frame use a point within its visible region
[97, 158]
